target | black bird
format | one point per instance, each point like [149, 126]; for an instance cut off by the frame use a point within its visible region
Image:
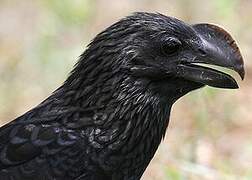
[107, 119]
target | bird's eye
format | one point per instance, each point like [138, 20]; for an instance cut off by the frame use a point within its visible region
[170, 46]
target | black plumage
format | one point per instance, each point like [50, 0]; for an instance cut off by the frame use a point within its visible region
[107, 119]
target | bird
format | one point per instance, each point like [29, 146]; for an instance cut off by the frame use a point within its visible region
[107, 119]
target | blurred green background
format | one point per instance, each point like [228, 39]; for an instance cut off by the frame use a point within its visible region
[210, 132]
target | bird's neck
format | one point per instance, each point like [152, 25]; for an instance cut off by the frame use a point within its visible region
[139, 123]
[136, 117]
[138, 112]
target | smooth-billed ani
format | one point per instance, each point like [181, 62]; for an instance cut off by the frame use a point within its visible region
[107, 119]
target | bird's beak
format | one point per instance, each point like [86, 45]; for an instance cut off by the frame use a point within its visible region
[218, 48]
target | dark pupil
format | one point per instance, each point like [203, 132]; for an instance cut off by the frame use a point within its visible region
[170, 48]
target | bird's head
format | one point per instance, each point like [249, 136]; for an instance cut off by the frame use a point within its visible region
[168, 53]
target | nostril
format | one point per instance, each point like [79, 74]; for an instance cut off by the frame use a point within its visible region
[202, 52]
